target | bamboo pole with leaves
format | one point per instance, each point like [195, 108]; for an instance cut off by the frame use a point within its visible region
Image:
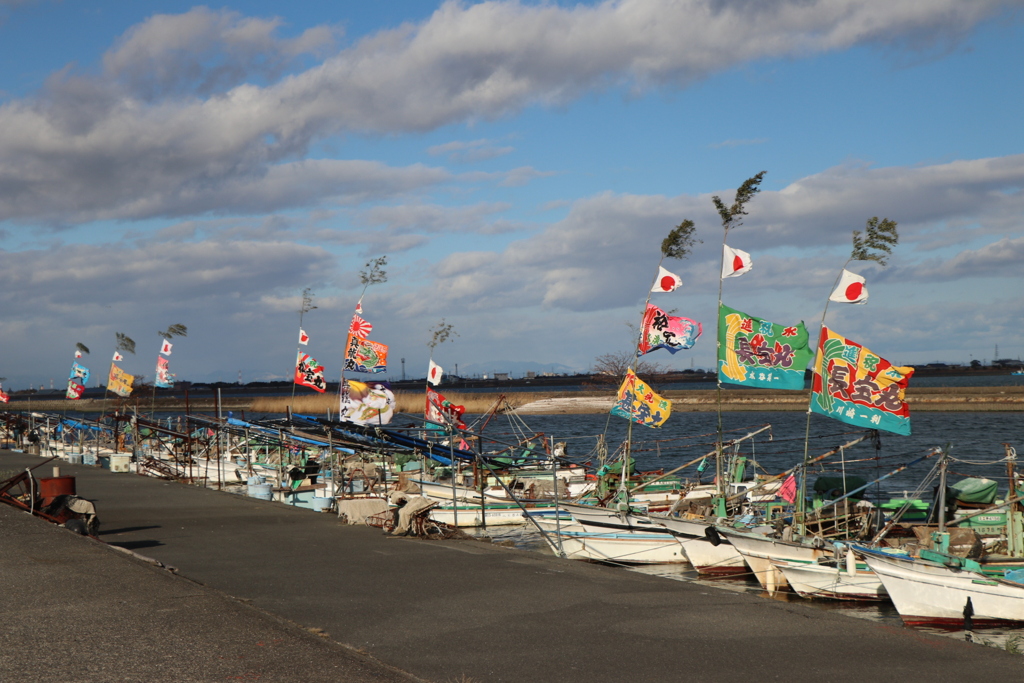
[123, 343]
[172, 331]
[678, 244]
[373, 273]
[304, 308]
[80, 349]
[874, 244]
[439, 334]
[732, 217]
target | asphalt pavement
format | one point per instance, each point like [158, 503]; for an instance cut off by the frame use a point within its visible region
[253, 572]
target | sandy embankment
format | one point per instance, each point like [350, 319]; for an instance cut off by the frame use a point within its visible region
[942, 399]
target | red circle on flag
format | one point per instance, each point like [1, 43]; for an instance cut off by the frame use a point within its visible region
[433, 372]
[668, 283]
[854, 291]
[737, 263]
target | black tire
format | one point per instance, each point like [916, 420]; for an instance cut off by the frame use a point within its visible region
[711, 533]
[76, 526]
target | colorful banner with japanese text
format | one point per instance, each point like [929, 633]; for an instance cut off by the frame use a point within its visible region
[164, 378]
[760, 353]
[75, 390]
[363, 355]
[120, 382]
[638, 402]
[310, 373]
[79, 372]
[664, 331]
[442, 412]
[368, 403]
[853, 385]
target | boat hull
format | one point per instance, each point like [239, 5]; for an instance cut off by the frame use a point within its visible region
[708, 559]
[617, 548]
[833, 583]
[929, 593]
[759, 551]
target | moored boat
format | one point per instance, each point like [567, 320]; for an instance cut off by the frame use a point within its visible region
[926, 592]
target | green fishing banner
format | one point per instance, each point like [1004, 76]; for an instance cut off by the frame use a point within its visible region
[760, 353]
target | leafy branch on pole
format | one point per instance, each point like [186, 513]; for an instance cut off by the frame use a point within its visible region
[125, 343]
[732, 215]
[680, 241]
[307, 303]
[177, 330]
[82, 347]
[373, 272]
[876, 245]
[439, 334]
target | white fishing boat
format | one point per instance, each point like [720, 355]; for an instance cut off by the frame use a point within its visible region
[835, 580]
[619, 548]
[927, 592]
[759, 550]
[706, 557]
[599, 520]
[491, 514]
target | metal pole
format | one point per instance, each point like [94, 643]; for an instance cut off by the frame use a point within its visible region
[558, 515]
[942, 490]
[451, 456]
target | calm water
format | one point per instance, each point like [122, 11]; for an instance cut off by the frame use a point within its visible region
[1006, 380]
[973, 438]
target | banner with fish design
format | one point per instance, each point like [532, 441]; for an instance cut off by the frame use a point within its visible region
[120, 382]
[664, 331]
[363, 355]
[75, 390]
[442, 412]
[164, 378]
[639, 403]
[760, 353]
[309, 373]
[370, 403]
[79, 372]
[853, 385]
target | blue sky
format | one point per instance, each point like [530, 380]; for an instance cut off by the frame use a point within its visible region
[518, 163]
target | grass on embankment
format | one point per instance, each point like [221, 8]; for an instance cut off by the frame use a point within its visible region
[589, 401]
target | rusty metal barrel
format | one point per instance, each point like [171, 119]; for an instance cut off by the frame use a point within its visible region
[51, 487]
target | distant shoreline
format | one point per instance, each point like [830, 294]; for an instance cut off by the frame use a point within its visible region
[935, 399]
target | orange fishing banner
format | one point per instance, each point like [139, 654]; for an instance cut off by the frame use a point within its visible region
[638, 402]
[363, 355]
[120, 382]
[853, 385]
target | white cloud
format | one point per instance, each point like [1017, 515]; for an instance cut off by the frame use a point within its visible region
[469, 152]
[203, 52]
[163, 133]
[593, 258]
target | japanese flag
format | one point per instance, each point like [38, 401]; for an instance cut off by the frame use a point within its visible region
[166, 348]
[851, 289]
[359, 306]
[434, 373]
[78, 354]
[666, 281]
[303, 337]
[117, 357]
[735, 262]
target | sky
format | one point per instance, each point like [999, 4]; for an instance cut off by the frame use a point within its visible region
[518, 163]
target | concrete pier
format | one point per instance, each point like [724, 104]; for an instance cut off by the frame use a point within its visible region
[253, 572]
